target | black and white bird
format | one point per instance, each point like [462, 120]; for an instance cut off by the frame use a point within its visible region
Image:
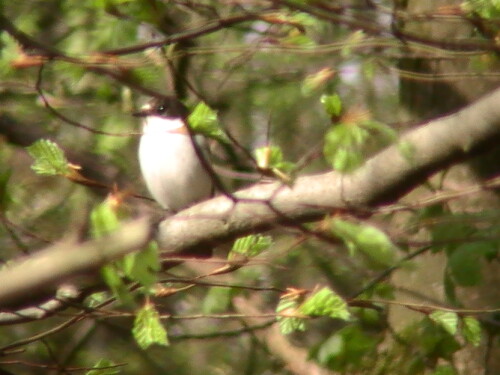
[170, 164]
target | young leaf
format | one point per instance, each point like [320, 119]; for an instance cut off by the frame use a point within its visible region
[143, 266]
[471, 330]
[148, 329]
[342, 148]
[366, 238]
[203, 120]
[446, 319]
[111, 276]
[332, 105]
[270, 158]
[325, 303]
[103, 219]
[49, 158]
[250, 246]
[289, 324]
[291, 319]
[100, 368]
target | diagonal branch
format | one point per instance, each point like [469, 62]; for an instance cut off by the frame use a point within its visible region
[383, 179]
[43, 271]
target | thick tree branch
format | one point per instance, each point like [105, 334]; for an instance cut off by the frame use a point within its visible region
[42, 272]
[383, 179]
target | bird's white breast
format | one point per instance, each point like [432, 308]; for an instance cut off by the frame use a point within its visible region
[171, 168]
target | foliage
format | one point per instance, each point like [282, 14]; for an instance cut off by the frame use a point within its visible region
[148, 329]
[303, 87]
[370, 241]
[203, 119]
[49, 158]
[250, 246]
[324, 302]
[103, 367]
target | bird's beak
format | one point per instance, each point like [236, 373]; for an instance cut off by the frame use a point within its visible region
[144, 111]
[139, 114]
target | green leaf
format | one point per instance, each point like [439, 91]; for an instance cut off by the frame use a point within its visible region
[465, 263]
[289, 324]
[471, 330]
[325, 303]
[383, 129]
[148, 329]
[446, 319]
[434, 341]
[332, 104]
[270, 158]
[49, 158]
[369, 240]
[111, 276]
[99, 368]
[487, 9]
[347, 351]
[203, 120]
[342, 148]
[143, 266]
[103, 219]
[250, 246]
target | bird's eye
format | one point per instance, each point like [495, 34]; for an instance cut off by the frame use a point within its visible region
[161, 108]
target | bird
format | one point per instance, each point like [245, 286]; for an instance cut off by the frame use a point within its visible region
[170, 164]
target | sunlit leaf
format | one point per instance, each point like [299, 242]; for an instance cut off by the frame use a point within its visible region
[446, 319]
[471, 330]
[143, 266]
[203, 120]
[485, 8]
[270, 159]
[332, 104]
[325, 303]
[49, 158]
[112, 277]
[103, 219]
[290, 320]
[342, 148]
[148, 329]
[371, 241]
[251, 245]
